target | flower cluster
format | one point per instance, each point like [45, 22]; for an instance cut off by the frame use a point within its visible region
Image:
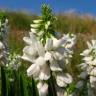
[3, 41]
[1, 50]
[13, 61]
[89, 65]
[48, 52]
[51, 57]
[88, 76]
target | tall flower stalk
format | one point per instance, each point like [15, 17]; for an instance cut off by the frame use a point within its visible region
[4, 39]
[3, 53]
[88, 75]
[49, 56]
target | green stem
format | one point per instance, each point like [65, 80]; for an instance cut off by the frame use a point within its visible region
[34, 88]
[21, 86]
[11, 89]
[52, 89]
[16, 83]
[3, 83]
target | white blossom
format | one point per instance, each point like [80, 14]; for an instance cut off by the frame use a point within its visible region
[33, 70]
[34, 25]
[39, 55]
[43, 88]
[48, 58]
[89, 65]
[63, 79]
[1, 46]
[37, 21]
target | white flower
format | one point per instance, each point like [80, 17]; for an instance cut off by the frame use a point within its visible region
[40, 49]
[63, 79]
[48, 58]
[30, 50]
[39, 69]
[33, 30]
[61, 91]
[44, 73]
[49, 45]
[58, 43]
[2, 51]
[0, 23]
[33, 70]
[87, 59]
[1, 46]
[54, 65]
[93, 81]
[37, 21]
[70, 40]
[6, 21]
[92, 45]
[42, 88]
[83, 66]
[35, 25]
[30, 40]
[28, 58]
[40, 61]
[93, 72]
[93, 62]
[89, 64]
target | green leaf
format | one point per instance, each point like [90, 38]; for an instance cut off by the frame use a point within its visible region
[3, 82]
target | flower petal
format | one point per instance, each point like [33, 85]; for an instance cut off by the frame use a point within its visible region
[92, 79]
[89, 45]
[40, 49]
[54, 66]
[30, 50]
[85, 52]
[45, 73]
[60, 82]
[40, 61]
[49, 44]
[1, 46]
[42, 88]
[33, 70]
[33, 30]
[27, 40]
[47, 56]
[33, 37]
[93, 72]
[63, 79]
[37, 21]
[28, 58]
[34, 25]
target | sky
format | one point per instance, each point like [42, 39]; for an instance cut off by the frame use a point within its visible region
[58, 6]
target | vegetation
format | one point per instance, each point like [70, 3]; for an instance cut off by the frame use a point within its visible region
[84, 26]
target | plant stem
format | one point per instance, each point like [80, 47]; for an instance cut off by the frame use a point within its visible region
[3, 83]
